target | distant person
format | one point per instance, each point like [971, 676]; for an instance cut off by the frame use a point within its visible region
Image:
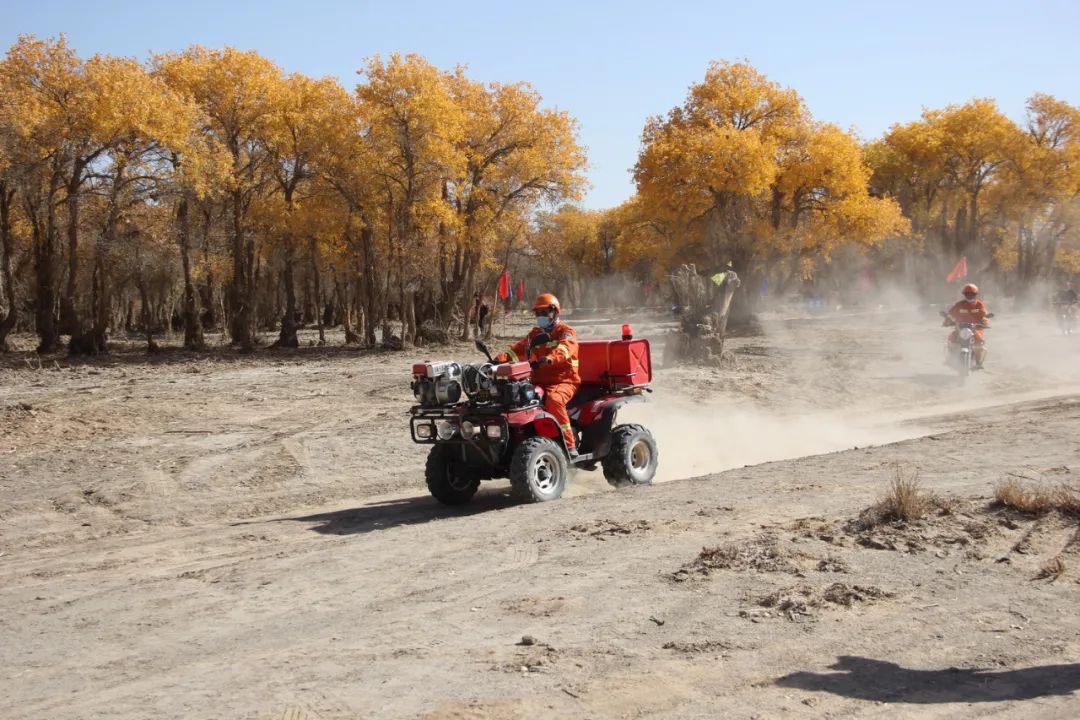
[554, 363]
[482, 315]
[1067, 295]
[970, 310]
[1065, 303]
[481, 310]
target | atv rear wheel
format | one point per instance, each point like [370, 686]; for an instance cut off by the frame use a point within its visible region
[633, 457]
[450, 481]
[538, 470]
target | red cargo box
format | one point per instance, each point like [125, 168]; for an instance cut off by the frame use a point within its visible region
[615, 362]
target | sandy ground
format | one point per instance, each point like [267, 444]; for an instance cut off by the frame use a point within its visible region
[209, 536]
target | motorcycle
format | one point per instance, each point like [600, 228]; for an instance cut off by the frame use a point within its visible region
[961, 353]
[486, 420]
[1066, 316]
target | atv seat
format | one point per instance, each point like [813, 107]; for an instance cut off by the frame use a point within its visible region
[586, 393]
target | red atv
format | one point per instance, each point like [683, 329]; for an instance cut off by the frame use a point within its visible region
[487, 421]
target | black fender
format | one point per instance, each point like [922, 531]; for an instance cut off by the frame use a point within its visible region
[596, 436]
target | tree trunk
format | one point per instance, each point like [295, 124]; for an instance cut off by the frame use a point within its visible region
[287, 337]
[411, 329]
[7, 284]
[242, 295]
[722, 308]
[193, 331]
[316, 277]
[147, 314]
[209, 316]
[372, 298]
[45, 269]
[973, 221]
[467, 296]
[308, 304]
[344, 309]
[69, 317]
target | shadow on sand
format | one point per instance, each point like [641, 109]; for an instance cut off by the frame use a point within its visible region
[877, 680]
[387, 514]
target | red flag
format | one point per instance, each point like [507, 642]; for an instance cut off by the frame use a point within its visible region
[504, 286]
[959, 272]
[520, 290]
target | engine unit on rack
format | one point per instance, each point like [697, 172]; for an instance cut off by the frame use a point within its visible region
[515, 389]
[479, 382]
[436, 384]
[518, 393]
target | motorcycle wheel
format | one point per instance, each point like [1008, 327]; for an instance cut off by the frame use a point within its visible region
[633, 457]
[965, 364]
[449, 481]
[538, 470]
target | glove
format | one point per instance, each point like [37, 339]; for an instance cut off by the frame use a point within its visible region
[502, 358]
[535, 364]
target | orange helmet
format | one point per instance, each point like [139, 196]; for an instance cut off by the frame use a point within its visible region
[545, 302]
[970, 289]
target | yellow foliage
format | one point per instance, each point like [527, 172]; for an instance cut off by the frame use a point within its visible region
[745, 174]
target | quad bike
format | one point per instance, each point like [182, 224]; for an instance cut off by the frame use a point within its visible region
[961, 353]
[486, 421]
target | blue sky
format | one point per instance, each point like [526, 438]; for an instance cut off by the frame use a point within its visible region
[862, 65]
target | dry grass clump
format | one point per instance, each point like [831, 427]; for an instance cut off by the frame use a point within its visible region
[1011, 493]
[904, 501]
[801, 600]
[1053, 569]
[762, 554]
[1067, 500]
[1036, 500]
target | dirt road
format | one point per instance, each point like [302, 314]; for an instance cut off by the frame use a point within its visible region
[202, 538]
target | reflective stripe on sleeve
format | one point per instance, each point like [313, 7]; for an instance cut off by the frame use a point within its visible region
[512, 355]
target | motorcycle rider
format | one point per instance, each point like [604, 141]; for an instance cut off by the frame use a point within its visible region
[1065, 301]
[554, 363]
[969, 310]
[1067, 295]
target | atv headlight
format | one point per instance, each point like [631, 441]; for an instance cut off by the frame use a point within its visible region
[965, 334]
[445, 429]
[468, 430]
[493, 431]
[425, 431]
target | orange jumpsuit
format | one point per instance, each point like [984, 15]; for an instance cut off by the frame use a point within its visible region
[970, 311]
[559, 378]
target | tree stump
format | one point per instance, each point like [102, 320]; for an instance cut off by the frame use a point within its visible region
[430, 333]
[703, 305]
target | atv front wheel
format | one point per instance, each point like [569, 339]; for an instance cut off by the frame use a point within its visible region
[538, 470]
[450, 481]
[633, 457]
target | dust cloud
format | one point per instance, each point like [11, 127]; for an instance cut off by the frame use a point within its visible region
[699, 440]
[817, 384]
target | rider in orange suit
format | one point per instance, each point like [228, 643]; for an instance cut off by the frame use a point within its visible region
[555, 363]
[970, 310]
